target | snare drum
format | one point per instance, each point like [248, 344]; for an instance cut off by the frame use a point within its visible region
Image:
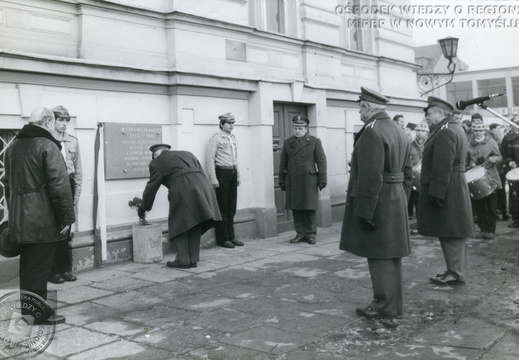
[513, 178]
[417, 171]
[480, 183]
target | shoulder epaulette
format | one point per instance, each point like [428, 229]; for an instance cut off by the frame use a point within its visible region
[445, 126]
[371, 124]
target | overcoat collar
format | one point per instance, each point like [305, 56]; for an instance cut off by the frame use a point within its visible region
[34, 131]
[442, 124]
[371, 122]
[294, 145]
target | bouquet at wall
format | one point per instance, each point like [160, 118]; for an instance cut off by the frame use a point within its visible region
[136, 203]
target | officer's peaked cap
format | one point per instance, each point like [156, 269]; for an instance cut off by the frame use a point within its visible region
[372, 96]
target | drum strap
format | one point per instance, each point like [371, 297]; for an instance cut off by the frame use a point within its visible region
[393, 177]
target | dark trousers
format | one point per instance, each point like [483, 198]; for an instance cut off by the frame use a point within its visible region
[386, 279]
[486, 213]
[513, 199]
[412, 205]
[63, 258]
[188, 245]
[35, 266]
[501, 196]
[455, 254]
[227, 196]
[304, 223]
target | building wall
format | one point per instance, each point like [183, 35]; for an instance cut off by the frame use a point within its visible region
[180, 64]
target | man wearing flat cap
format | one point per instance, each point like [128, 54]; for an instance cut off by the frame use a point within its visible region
[445, 207]
[62, 269]
[193, 207]
[302, 172]
[222, 169]
[375, 222]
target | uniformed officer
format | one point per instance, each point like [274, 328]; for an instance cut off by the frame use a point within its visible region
[510, 153]
[445, 208]
[222, 169]
[376, 221]
[416, 150]
[62, 269]
[302, 172]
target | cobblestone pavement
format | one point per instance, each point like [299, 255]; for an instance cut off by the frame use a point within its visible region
[274, 300]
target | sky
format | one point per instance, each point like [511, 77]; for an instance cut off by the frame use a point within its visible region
[484, 42]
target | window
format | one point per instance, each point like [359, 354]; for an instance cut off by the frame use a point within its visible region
[459, 91]
[515, 90]
[493, 86]
[274, 19]
[356, 34]
[268, 15]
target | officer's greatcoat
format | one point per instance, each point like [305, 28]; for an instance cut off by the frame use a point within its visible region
[443, 176]
[301, 168]
[380, 182]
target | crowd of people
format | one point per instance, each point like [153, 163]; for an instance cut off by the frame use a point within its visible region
[450, 174]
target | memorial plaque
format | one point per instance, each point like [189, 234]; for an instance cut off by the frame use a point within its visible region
[127, 153]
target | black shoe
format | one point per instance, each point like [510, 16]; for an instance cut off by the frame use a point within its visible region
[227, 244]
[237, 242]
[177, 265]
[506, 217]
[297, 239]
[311, 241]
[56, 279]
[193, 264]
[446, 279]
[67, 276]
[514, 225]
[54, 319]
[371, 313]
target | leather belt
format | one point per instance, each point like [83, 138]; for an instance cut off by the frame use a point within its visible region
[393, 177]
[458, 168]
[181, 173]
[226, 167]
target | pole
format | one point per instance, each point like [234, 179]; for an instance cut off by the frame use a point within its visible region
[509, 122]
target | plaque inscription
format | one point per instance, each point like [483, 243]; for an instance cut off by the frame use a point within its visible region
[127, 154]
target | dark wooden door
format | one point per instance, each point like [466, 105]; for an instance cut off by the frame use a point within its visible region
[282, 129]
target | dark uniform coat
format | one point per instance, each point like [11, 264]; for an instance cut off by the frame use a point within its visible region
[192, 200]
[443, 166]
[37, 187]
[380, 182]
[301, 168]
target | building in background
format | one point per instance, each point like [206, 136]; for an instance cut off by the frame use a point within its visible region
[468, 84]
[171, 67]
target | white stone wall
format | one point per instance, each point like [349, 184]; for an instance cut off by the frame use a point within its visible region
[181, 63]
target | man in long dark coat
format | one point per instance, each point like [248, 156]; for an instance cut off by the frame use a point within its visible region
[376, 220]
[193, 207]
[445, 208]
[302, 171]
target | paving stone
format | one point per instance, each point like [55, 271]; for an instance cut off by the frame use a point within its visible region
[269, 340]
[159, 274]
[230, 321]
[129, 301]
[171, 290]
[506, 349]
[159, 315]
[227, 352]
[467, 333]
[76, 340]
[238, 255]
[127, 350]
[179, 338]
[309, 323]
[119, 328]
[202, 302]
[429, 352]
[81, 294]
[301, 292]
[304, 272]
[105, 274]
[81, 314]
[123, 283]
